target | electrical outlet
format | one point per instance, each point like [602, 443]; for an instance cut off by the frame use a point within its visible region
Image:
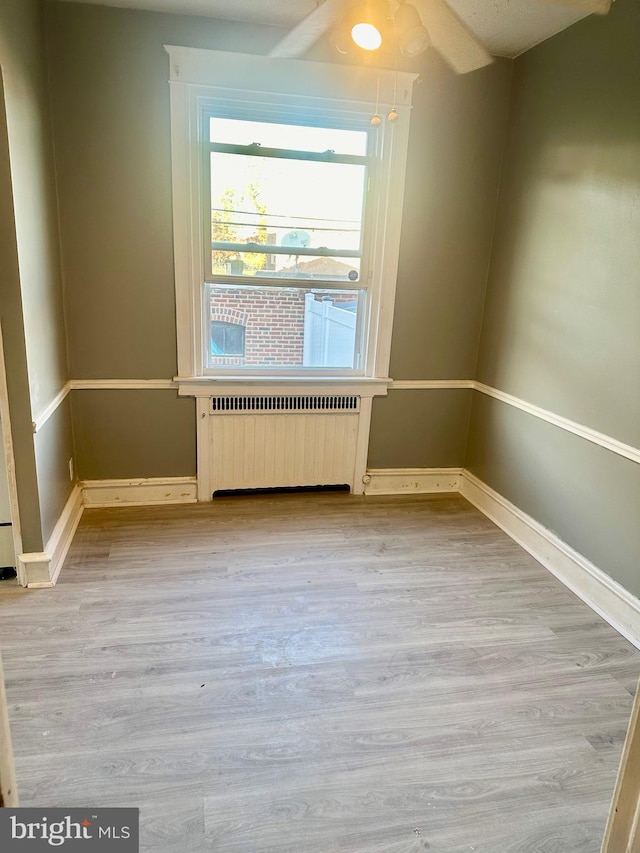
[71, 474]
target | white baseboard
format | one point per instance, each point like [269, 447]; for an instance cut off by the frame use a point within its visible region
[404, 481]
[33, 570]
[41, 569]
[38, 570]
[140, 492]
[606, 596]
[62, 536]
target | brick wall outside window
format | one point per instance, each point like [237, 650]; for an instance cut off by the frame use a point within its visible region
[273, 321]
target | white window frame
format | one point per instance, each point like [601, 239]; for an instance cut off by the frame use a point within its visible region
[202, 78]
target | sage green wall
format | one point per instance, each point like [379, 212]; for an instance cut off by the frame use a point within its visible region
[110, 102]
[121, 434]
[456, 145]
[111, 117]
[54, 448]
[34, 198]
[562, 316]
[32, 311]
[420, 429]
[457, 140]
[587, 495]
[15, 353]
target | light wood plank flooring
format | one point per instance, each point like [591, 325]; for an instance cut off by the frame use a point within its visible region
[317, 674]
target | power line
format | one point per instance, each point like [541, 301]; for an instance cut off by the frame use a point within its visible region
[283, 216]
[287, 227]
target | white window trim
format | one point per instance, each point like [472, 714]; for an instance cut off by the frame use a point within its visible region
[199, 74]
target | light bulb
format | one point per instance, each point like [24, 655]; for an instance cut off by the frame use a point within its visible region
[366, 36]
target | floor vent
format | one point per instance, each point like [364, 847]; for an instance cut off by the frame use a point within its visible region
[285, 404]
[279, 490]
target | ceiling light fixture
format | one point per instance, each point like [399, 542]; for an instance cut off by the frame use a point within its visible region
[413, 36]
[369, 27]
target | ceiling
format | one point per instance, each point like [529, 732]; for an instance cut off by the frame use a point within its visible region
[506, 27]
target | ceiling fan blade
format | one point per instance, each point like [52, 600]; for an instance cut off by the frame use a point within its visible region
[451, 37]
[305, 34]
[596, 7]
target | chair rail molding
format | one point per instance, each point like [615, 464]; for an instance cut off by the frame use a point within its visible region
[43, 416]
[431, 384]
[97, 385]
[122, 384]
[205, 387]
[628, 451]
[592, 435]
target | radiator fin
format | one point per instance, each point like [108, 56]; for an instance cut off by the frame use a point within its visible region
[284, 404]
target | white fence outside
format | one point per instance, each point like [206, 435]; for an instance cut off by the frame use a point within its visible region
[329, 334]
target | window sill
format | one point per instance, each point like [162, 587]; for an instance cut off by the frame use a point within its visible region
[207, 386]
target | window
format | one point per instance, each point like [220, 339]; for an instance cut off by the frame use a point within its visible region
[287, 208]
[286, 216]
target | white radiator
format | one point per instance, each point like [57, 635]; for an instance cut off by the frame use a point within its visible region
[268, 441]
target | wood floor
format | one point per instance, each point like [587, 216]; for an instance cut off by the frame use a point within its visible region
[317, 674]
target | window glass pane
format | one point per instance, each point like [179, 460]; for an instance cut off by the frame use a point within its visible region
[291, 206]
[282, 327]
[292, 136]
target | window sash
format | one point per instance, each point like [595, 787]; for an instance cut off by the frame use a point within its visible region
[257, 150]
[267, 249]
[327, 120]
[233, 368]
